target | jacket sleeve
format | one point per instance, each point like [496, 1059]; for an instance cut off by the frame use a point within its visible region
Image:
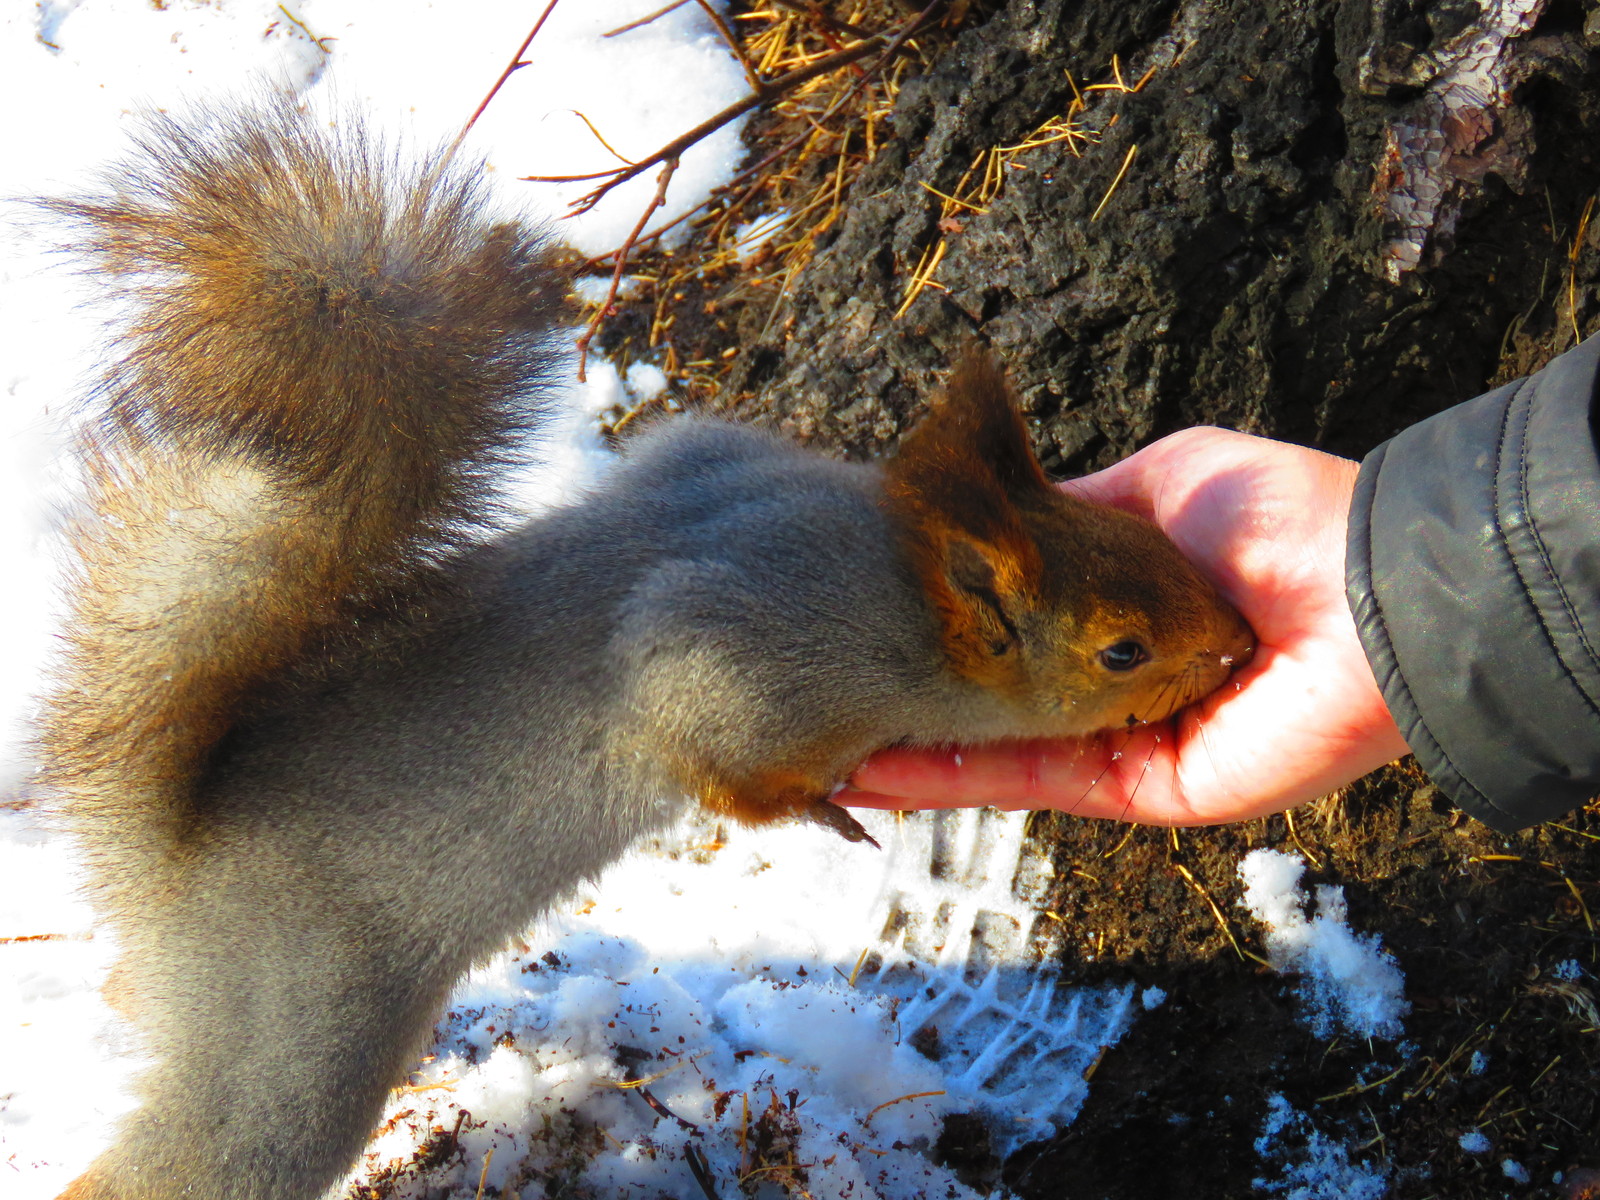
[1473, 572]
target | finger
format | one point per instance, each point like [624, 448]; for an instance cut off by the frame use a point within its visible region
[1123, 485]
[1122, 775]
[1144, 481]
[1228, 759]
[853, 798]
[1001, 774]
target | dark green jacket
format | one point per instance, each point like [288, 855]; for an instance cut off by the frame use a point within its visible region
[1473, 571]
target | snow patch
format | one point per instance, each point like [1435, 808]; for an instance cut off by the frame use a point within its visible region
[697, 1003]
[1347, 980]
[752, 236]
[1312, 1165]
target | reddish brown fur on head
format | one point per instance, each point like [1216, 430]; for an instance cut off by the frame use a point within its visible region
[1035, 591]
[953, 483]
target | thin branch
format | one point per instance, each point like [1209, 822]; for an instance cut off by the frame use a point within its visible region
[777, 87]
[645, 20]
[895, 47]
[817, 13]
[668, 156]
[606, 174]
[599, 137]
[750, 75]
[305, 29]
[717, 193]
[700, 1169]
[662, 1110]
[670, 166]
[794, 143]
[827, 31]
[516, 64]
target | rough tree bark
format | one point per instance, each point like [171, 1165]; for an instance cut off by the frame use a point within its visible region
[1339, 216]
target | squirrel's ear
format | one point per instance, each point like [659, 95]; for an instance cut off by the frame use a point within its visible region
[967, 466]
[955, 486]
[978, 590]
[972, 443]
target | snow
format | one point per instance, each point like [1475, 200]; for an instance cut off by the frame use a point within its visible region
[728, 977]
[1347, 980]
[1513, 1170]
[67, 1059]
[1474, 1142]
[1314, 1165]
[415, 66]
[776, 983]
[735, 1053]
[750, 236]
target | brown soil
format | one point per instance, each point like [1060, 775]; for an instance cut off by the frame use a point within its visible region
[1477, 922]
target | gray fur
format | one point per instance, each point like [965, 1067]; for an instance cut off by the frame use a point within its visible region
[723, 590]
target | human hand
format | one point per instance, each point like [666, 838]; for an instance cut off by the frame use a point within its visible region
[1265, 522]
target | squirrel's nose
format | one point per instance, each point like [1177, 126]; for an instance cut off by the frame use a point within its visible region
[1238, 645]
[1240, 652]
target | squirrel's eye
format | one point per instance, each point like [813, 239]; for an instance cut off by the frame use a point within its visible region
[1124, 656]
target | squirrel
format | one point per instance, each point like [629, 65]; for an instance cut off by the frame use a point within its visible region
[330, 732]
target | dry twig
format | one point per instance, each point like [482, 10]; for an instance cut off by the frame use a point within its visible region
[645, 20]
[886, 45]
[605, 308]
[516, 64]
[766, 91]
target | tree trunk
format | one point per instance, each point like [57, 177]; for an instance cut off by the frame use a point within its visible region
[1337, 218]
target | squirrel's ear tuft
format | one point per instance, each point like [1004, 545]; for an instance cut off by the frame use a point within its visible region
[973, 430]
[967, 464]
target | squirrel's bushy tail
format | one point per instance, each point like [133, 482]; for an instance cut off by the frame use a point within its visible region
[330, 357]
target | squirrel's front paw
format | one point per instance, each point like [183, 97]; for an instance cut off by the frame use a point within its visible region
[829, 815]
[778, 795]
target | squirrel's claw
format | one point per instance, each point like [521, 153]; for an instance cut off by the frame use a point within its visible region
[830, 816]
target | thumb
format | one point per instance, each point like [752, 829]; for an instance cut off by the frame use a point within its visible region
[1124, 485]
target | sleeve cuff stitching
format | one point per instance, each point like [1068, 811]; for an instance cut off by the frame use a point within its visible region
[1519, 564]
